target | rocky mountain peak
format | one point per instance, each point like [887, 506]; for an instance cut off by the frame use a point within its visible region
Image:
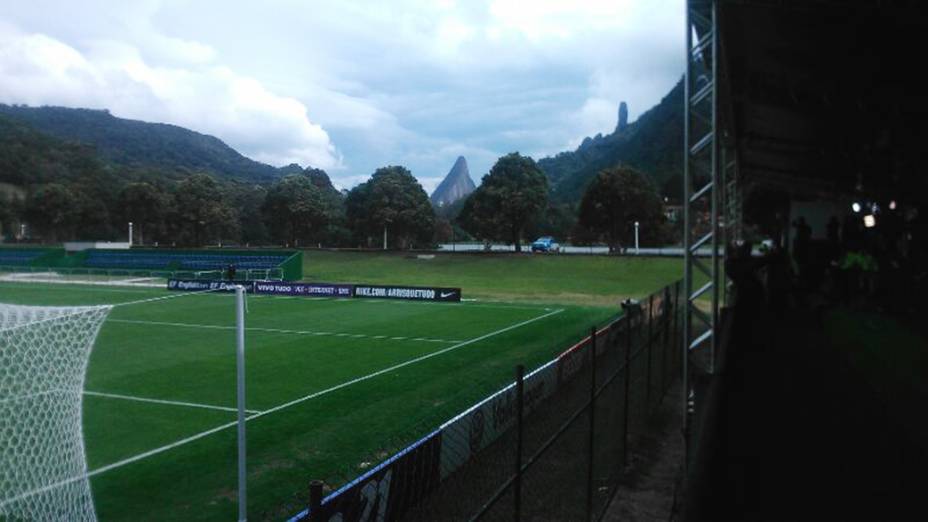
[623, 117]
[456, 185]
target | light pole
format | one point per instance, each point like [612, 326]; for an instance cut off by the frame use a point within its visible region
[637, 251]
[130, 234]
[385, 236]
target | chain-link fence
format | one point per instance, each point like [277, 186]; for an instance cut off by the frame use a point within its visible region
[549, 446]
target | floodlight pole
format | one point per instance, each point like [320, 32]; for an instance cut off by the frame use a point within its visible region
[637, 250]
[130, 233]
[385, 237]
[240, 374]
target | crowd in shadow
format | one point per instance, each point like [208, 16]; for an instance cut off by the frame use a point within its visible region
[802, 430]
[879, 264]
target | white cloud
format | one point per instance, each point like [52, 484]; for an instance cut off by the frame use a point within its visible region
[40, 70]
[544, 19]
[411, 82]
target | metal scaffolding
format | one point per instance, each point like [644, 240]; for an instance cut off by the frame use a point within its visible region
[702, 191]
[731, 205]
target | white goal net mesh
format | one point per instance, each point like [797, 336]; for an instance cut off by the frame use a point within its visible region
[43, 360]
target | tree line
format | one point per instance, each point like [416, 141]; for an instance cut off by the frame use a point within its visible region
[511, 205]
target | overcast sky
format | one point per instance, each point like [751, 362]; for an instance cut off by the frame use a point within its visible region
[351, 86]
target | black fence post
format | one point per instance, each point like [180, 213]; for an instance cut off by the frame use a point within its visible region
[666, 319]
[647, 397]
[592, 406]
[517, 482]
[628, 360]
[676, 329]
[315, 500]
[662, 335]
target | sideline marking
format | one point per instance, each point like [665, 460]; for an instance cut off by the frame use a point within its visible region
[281, 330]
[285, 405]
[163, 401]
[401, 365]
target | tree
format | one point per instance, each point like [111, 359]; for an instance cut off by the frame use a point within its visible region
[615, 200]
[10, 211]
[392, 201]
[510, 198]
[91, 218]
[249, 199]
[336, 231]
[202, 211]
[143, 205]
[295, 208]
[6, 209]
[51, 210]
[478, 218]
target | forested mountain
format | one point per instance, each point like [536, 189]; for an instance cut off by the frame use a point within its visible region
[79, 173]
[30, 157]
[66, 189]
[652, 144]
[140, 144]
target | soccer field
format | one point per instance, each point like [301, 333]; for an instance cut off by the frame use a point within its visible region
[333, 387]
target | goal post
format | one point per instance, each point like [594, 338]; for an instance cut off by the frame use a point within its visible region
[44, 353]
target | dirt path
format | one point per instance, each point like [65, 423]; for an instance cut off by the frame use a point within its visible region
[646, 492]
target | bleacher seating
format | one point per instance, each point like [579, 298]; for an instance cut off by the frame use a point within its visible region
[180, 261]
[18, 256]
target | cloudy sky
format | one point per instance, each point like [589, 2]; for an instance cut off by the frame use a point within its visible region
[349, 86]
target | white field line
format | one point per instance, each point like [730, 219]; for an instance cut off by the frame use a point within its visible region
[285, 331]
[140, 456]
[275, 409]
[401, 365]
[169, 296]
[78, 310]
[143, 279]
[6, 283]
[163, 401]
[59, 281]
[467, 303]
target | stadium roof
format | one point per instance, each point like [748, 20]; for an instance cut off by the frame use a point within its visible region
[826, 97]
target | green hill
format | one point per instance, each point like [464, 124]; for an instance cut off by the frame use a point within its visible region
[31, 157]
[652, 144]
[139, 144]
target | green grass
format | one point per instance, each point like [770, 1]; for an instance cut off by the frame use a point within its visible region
[333, 437]
[561, 279]
[162, 350]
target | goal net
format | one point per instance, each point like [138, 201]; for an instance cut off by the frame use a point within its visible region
[43, 360]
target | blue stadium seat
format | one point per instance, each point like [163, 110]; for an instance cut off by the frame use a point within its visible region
[19, 257]
[169, 260]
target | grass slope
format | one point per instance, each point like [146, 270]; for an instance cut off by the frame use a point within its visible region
[557, 279]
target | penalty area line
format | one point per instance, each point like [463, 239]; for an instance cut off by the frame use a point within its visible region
[283, 331]
[164, 401]
[401, 365]
[283, 406]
